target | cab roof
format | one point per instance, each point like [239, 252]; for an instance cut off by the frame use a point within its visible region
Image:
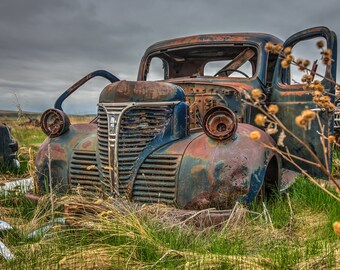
[259, 38]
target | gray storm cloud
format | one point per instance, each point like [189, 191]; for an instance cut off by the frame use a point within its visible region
[45, 46]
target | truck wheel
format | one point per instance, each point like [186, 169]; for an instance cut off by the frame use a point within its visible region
[270, 183]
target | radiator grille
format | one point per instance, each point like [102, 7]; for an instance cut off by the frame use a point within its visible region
[139, 126]
[84, 178]
[156, 179]
[130, 128]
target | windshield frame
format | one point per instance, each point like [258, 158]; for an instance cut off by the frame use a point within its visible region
[145, 63]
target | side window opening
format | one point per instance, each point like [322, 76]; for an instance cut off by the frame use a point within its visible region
[305, 50]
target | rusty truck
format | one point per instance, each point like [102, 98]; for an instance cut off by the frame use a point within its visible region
[179, 134]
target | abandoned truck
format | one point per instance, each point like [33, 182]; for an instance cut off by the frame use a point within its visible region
[184, 138]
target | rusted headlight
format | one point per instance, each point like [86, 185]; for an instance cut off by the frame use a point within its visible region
[54, 122]
[220, 123]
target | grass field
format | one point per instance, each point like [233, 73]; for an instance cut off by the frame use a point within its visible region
[289, 231]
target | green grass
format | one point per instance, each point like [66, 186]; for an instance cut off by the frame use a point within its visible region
[302, 238]
[28, 136]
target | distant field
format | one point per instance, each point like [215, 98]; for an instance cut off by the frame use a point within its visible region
[12, 117]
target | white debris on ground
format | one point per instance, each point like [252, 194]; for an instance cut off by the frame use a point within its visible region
[4, 251]
[44, 229]
[4, 226]
[22, 185]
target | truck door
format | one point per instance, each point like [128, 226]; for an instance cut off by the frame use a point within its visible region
[292, 99]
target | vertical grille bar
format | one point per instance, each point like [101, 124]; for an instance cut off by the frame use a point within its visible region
[107, 130]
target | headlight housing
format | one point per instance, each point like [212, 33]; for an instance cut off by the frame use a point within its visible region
[54, 122]
[220, 123]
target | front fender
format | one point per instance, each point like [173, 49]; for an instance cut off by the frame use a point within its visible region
[55, 153]
[216, 174]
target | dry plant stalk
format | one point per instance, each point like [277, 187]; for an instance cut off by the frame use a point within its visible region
[50, 181]
[268, 119]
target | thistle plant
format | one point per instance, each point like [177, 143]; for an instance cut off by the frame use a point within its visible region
[268, 120]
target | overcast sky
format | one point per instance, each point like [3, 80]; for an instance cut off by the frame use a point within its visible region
[47, 45]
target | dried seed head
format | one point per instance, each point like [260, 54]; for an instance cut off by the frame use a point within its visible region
[300, 121]
[269, 46]
[326, 60]
[277, 48]
[308, 115]
[287, 51]
[331, 139]
[307, 78]
[306, 63]
[255, 135]
[256, 93]
[273, 48]
[320, 44]
[320, 87]
[260, 119]
[331, 106]
[289, 58]
[327, 52]
[312, 86]
[316, 99]
[317, 94]
[299, 61]
[317, 82]
[285, 63]
[273, 109]
[336, 227]
[337, 87]
[325, 98]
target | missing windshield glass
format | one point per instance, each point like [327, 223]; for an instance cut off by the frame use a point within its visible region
[235, 60]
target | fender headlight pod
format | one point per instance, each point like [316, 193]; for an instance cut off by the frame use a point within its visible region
[220, 123]
[54, 122]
